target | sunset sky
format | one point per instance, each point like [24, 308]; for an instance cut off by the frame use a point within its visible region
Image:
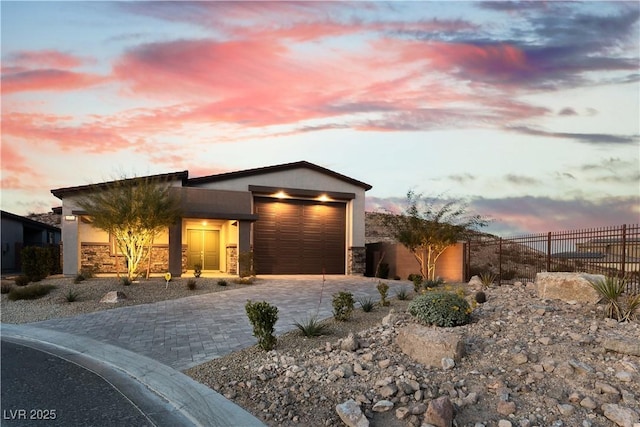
[529, 111]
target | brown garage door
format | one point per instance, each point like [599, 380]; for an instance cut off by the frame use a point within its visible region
[299, 237]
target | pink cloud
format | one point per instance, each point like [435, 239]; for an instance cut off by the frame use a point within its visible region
[45, 59]
[17, 172]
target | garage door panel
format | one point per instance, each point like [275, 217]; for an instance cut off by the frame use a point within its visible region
[299, 237]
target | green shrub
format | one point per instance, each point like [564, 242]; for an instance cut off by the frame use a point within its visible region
[383, 290]
[343, 304]
[367, 304]
[33, 291]
[22, 280]
[89, 272]
[5, 288]
[417, 282]
[35, 263]
[428, 284]
[481, 297]
[441, 309]
[402, 294]
[79, 278]
[248, 280]
[125, 281]
[222, 282]
[263, 316]
[311, 327]
[191, 284]
[71, 295]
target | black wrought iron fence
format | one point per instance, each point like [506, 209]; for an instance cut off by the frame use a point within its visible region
[612, 251]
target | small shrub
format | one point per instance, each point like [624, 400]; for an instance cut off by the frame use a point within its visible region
[481, 297]
[197, 269]
[383, 290]
[402, 294]
[79, 278]
[367, 304]
[22, 280]
[417, 282]
[35, 262]
[311, 327]
[611, 289]
[433, 283]
[487, 279]
[222, 282]
[441, 309]
[125, 281]
[246, 264]
[33, 291]
[191, 284]
[71, 295]
[88, 272]
[263, 317]
[5, 288]
[343, 304]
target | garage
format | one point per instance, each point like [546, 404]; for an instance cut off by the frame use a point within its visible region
[299, 236]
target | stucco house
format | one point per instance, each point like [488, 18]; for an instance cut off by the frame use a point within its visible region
[296, 218]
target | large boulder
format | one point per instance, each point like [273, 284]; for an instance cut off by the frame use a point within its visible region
[568, 287]
[429, 345]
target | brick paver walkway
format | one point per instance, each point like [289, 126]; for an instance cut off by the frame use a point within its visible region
[187, 332]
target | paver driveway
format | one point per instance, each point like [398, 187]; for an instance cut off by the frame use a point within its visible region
[187, 332]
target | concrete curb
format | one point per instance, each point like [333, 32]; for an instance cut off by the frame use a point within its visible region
[166, 396]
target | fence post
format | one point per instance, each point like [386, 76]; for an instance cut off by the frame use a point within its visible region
[548, 251]
[624, 248]
[500, 261]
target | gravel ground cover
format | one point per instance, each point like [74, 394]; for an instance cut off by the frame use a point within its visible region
[90, 291]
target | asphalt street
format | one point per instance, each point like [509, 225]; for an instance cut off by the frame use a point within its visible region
[40, 389]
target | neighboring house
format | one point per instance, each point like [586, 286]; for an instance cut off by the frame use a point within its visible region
[19, 232]
[296, 218]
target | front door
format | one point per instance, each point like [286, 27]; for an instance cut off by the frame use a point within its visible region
[203, 247]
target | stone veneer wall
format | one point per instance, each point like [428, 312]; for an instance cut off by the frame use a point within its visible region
[357, 261]
[232, 259]
[98, 256]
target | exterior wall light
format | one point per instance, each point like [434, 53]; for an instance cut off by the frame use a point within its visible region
[280, 195]
[323, 198]
[69, 217]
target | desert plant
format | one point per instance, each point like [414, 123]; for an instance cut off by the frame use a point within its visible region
[126, 281]
[441, 309]
[343, 304]
[610, 290]
[35, 262]
[263, 317]
[79, 278]
[222, 282]
[417, 282]
[366, 304]
[22, 280]
[383, 290]
[71, 295]
[481, 297]
[312, 327]
[402, 294]
[88, 272]
[487, 279]
[5, 288]
[428, 284]
[248, 280]
[191, 284]
[197, 269]
[33, 291]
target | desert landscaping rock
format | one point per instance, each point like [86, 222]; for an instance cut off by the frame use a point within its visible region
[351, 414]
[303, 380]
[443, 343]
[113, 297]
[568, 287]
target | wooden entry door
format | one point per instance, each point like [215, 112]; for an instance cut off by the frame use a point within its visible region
[203, 246]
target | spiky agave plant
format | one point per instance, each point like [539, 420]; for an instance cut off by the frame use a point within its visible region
[610, 290]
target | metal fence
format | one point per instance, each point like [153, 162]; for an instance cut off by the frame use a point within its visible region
[612, 251]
